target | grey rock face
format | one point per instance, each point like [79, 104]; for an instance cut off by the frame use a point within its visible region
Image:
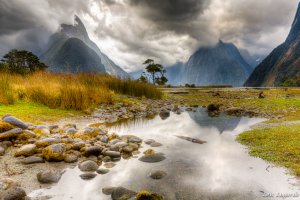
[49, 176]
[15, 121]
[152, 158]
[88, 166]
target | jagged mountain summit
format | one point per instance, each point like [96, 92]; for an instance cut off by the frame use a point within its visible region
[221, 64]
[283, 63]
[71, 50]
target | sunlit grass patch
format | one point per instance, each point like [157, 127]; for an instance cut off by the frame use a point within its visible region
[280, 145]
[36, 113]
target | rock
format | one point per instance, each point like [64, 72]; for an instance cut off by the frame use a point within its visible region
[135, 146]
[49, 176]
[47, 141]
[78, 145]
[15, 121]
[108, 190]
[157, 175]
[88, 176]
[134, 139]
[112, 154]
[213, 107]
[32, 160]
[194, 140]
[26, 150]
[155, 144]
[118, 146]
[70, 158]
[106, 159]
[102, 171]
[121, 193]
[261, 95]
[149, 152]
[145, 195]
[149, 141]
[42, 130]
[152, 158]
[164, 114]
[109, 165]
[93, 150]
[2, 151]
[26, 135]
[104, 139]
[5, 127]
[14, 193]
[54, 152]
[71, 131]
[87, 133]
[11, 133]
[127, 149]
[88, 166]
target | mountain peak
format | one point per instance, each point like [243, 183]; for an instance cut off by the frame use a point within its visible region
[295, 30]
[77, 30]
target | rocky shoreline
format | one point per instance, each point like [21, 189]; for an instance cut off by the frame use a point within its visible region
[35, 156]
[26, 150]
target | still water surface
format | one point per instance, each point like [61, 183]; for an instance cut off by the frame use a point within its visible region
[219, 169]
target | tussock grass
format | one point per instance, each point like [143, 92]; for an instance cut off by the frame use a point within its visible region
[69, 91]
[280, 145]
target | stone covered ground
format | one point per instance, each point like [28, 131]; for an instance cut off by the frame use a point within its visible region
[26, 149]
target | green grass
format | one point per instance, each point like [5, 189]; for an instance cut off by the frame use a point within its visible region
[280, 145]
[36, 113]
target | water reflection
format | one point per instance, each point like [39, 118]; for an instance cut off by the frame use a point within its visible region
[219, 169]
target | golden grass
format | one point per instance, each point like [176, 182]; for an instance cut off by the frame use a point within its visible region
[69, 91]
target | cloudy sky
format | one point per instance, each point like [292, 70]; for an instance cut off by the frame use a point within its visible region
[129, 31]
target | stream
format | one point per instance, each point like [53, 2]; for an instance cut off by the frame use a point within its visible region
[218, 169]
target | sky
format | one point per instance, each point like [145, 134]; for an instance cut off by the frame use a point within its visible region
[168, 31]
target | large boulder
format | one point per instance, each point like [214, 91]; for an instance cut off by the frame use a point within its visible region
[47, 141]
[26, 150]
[5, 127]
[93, 151]
[49, 176]
[54, 152]
[14, 121]
[11, 133]
[152, 158]
[88, 166]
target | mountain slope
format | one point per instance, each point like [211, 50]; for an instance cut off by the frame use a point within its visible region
[74, 56]
[221, 64]
[283, 62]
[79, 32]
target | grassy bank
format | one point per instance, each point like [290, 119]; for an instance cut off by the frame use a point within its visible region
[36, 113]
[69, 91]
[280, 145]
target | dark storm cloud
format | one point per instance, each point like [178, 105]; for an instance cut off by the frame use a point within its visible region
[171, 10]
[130, 31]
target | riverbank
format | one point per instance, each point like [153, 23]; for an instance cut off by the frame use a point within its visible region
[280, 106]
[276, 140]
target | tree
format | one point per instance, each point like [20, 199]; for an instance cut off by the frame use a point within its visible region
[22, 62]
[156, 73]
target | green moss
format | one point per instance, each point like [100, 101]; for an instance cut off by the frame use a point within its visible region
[280, 145]
[36, 113]
[5, 127]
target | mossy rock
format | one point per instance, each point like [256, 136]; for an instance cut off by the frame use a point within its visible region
[54, 152]
[5, 127]
[113, 136]
[149, 152]
[145, 195]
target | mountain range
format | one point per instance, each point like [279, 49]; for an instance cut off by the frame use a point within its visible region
[220, 64]
[71, 50]
[283, 63]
